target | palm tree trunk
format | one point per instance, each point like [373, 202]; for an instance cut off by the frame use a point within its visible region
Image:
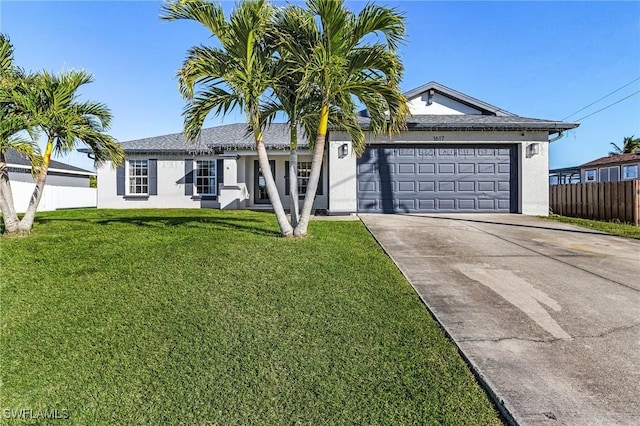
[294, 202]
[314, 177]
[285, 227]
[27, 220]
[7, 207]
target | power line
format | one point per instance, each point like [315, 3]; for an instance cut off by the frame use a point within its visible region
[605, 96]
[602, 109]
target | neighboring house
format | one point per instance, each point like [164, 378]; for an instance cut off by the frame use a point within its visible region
[458, 154]
[67, 186]
[564, 175]
[612, 168]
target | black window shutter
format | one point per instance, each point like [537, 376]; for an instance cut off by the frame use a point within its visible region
[320, 179]
[219, 172]
[120, 180]
[153, 177]
[188, 177]
[286, 178]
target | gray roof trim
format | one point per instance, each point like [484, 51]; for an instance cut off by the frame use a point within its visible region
[457, 96]
[480, 123]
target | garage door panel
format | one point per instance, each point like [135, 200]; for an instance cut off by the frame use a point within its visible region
[504, 168]
[426, 168]
[466, 204]
[407, 205]
[446, 186]
[446, 204]
[426, 186]
[446, 168]
[504, 204]
[406, 169]
[450, 178]
[367, 187]
[466, 186]
[487, 204]
[484, 186]
[504, 186]
[487, 168]
[407, 186]
[467, 168]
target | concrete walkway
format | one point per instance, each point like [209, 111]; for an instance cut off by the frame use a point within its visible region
[547, 314]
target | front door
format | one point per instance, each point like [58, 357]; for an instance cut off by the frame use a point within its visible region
[260, 195]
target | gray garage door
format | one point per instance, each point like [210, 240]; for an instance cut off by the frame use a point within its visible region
[437, 178]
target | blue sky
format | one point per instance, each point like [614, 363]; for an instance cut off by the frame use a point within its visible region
[535, 59]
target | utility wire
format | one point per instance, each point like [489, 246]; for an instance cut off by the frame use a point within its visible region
[606, 96]
[602, 109]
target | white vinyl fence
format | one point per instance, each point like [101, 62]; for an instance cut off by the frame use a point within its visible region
[53, 197]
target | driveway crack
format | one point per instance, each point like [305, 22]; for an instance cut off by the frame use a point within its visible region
[552, 340]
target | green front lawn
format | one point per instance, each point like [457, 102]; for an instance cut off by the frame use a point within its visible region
[206, 317]
[615, 228]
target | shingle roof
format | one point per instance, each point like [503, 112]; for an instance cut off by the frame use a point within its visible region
[229, 136]
[13, 158]
[614, 159]
[481, 122]
[276, 136]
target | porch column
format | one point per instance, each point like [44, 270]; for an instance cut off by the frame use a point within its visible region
[232, 194]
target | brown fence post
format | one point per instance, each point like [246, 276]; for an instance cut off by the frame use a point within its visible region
[614, 200]
[636, 202]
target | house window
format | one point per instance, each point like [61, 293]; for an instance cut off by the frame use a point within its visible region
[590, 176]
[609, 174]
[630, 172]
[138, 177]
[304, 172]
[206, 177]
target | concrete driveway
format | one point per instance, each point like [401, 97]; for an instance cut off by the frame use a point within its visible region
[547, 314]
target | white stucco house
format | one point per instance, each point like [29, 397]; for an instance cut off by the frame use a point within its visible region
[458, 154]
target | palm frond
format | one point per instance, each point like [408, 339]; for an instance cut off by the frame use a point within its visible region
[209, 14]
[379, 19]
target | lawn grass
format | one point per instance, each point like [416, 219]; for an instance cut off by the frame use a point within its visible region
[614, 228]
[206, 317]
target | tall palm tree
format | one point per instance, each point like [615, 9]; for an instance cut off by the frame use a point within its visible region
[66, 122]
[16, 131]
[342, 66]
[301, 111]
[239, 73]
[629, 145]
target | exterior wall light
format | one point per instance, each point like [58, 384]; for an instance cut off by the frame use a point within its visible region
[533, 149]
[343, 150]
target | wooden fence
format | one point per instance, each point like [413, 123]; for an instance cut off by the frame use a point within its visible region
[598, 200]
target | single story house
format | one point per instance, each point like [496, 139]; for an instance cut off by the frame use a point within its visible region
[611, 168]
[67, 186]
[458, 154]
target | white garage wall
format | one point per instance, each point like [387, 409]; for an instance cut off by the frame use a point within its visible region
[342, 170]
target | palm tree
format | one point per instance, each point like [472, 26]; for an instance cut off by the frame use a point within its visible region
[15, 131]
[301, 111]
[629, 145]
[341, 66]
[52, 103]
[237, 74]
